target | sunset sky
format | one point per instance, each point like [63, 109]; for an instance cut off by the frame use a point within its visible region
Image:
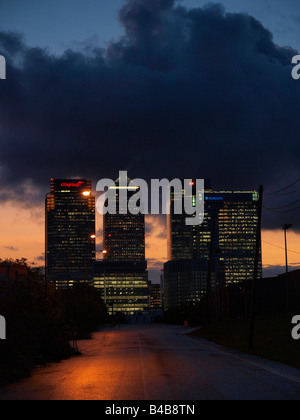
[161, 88]
[22, 235]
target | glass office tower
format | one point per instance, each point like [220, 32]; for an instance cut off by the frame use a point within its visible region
[70, 232]
[124, 234]
[123, 285]
[122, 276]
[227, 235]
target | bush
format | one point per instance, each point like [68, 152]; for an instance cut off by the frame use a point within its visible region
[84, 310]
[36, 329]
[41, 321]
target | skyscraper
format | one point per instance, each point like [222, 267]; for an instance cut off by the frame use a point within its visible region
[227, 237]
[70, 232]
[122, 277]
[124, 234]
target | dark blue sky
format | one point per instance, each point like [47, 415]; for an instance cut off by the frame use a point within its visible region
[60, 24]
[189, 91]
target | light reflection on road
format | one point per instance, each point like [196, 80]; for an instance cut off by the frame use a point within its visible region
[152, 363]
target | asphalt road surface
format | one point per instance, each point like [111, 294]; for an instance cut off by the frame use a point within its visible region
[157, 362]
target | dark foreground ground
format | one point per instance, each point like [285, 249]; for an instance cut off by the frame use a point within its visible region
[273, 339]
[156, 362]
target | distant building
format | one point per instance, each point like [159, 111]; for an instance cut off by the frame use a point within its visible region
[70, 232]
[227, 235]
[123, 285]
[155, 296]
[186, 280]
[122, 277]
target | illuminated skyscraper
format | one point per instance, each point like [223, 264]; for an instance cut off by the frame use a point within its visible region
[70, 232]
[122, 277]
[124, 234]
[227, 236]
[123, 285]
[235, 226]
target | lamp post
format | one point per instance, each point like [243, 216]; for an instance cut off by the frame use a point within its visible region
[105, 299]
[285, 227]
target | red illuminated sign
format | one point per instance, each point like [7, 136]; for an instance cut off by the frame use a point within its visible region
[72, 184]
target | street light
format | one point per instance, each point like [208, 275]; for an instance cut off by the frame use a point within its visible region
[86, 193]
[285, 227]
[104, 252]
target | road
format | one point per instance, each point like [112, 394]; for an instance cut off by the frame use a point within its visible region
[156, 362]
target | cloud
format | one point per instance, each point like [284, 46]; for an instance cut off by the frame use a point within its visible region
[40, 258]
[153, 263]
[276, 270]
[11, 248]
[156, 226]
[184, 93]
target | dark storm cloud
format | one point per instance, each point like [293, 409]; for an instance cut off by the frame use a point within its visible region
[184, 93]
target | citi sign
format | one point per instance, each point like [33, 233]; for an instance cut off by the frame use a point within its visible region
[72, 184]
[2, 67]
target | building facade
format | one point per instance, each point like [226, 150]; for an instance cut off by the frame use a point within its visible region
[155, 296]
[227, 237]
[70, 232]
[124, 234]
[122, 277]
[186, 281]
[123, 285]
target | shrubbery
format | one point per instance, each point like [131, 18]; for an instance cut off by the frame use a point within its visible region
[84, 310]
[41, 322]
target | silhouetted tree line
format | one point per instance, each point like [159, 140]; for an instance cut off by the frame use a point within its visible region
[41, 322]
[84, 310]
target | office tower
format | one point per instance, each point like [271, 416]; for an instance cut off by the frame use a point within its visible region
[227, 237]
[70, 232]
[236, 229]
[155, 296]
[182, 239]
[123, 286]
[186, 281]
[124, 234]
[122, 277]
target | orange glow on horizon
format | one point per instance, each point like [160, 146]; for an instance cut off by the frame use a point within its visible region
[23, 236]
